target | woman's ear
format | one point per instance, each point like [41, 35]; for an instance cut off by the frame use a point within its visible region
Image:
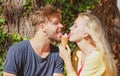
[85, 35]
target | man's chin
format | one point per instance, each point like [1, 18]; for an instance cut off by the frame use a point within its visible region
[55, 40]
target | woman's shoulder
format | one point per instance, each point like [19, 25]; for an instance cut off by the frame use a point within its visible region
[94, 62]
[95, 54]
[95, 57]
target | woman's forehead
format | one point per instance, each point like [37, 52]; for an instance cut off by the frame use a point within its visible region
[79, 20]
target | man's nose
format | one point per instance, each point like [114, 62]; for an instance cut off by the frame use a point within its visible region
[60, 25]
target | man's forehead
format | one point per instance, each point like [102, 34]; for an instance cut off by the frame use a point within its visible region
[54, 19]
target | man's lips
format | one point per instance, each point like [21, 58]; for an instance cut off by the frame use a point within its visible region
[60, 34]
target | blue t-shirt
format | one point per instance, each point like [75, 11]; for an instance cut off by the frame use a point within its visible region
[23, 61]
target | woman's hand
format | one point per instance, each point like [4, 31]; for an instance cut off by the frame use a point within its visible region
[65, 53]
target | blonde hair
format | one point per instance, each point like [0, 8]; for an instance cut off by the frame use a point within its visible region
[97, 34]
[44, 14]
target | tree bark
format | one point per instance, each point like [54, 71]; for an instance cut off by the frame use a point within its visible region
[16, 21]
[109, 15]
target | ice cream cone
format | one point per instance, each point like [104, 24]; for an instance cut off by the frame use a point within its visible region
[64, 40]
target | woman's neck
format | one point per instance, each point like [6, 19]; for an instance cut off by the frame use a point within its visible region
[86, 47]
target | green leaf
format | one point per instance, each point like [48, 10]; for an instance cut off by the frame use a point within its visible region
[30, 7]
[2, 20]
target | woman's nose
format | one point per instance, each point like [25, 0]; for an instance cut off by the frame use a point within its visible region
[71, 28]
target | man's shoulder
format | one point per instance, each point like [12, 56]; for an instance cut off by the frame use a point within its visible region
[19, 46]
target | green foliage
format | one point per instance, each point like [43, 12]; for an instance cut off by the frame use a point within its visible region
[0, 9]
[71, 10]
[16, 38]
[2, 59]
[25, 38]
[3, 37]
[2, 21]
[1, 1]
[65, 71]
[27, 6]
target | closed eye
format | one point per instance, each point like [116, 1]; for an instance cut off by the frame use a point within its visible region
[75, 25]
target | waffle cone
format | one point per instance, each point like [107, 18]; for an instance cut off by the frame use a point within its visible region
[64, 41]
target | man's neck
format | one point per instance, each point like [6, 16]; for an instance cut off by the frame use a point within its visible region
[41, 45]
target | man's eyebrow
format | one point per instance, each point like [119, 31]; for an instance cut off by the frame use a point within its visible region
[56, 21]
[75, 23]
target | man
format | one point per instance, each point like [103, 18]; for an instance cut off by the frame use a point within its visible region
[37, 57]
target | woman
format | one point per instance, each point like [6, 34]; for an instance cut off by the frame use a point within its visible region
[94, 56]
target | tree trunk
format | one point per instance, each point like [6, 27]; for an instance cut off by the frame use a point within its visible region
[109, 15]
[17, 14]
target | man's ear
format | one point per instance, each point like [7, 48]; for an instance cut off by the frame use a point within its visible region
[42, 27]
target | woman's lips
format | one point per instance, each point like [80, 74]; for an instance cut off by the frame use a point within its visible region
[69, 35]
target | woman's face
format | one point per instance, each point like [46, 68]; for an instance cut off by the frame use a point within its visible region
[78, 30]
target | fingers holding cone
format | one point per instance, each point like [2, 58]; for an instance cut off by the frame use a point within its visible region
[68, 48]
[64, 40]
[65, 51]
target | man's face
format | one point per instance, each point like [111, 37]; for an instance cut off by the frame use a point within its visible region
[53, 29]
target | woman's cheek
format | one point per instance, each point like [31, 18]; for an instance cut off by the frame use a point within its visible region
[73, 38]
